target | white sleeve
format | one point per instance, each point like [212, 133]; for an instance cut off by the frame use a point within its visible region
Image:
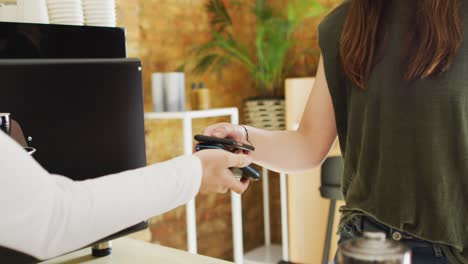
[46, 215]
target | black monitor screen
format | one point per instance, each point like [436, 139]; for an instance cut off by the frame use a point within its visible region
[85, 117]
[26, 40]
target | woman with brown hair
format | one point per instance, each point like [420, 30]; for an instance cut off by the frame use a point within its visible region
[392, 84]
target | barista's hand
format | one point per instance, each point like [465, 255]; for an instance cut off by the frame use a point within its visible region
[226, 130]
[216, 174]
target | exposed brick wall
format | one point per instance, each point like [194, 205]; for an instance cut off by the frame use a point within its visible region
[162, 33]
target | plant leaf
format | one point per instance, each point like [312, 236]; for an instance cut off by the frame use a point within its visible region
[271, 59]
[220, 18]
[204, 64]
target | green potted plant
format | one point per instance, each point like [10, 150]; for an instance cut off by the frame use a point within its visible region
[266, 57]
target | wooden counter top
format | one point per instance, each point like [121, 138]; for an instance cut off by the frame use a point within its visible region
[129, 251]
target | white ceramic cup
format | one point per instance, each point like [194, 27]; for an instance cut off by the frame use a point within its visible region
[157, 89]
[32, 11]
[182, 91]
[8, 13]
[66, 12]
[174, 91]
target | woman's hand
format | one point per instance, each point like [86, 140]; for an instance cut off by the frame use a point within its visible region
[226, 130]
[216, 174]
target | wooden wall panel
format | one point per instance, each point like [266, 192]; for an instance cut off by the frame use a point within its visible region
[308, 211]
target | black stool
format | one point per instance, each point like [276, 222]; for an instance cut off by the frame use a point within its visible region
[330, 188]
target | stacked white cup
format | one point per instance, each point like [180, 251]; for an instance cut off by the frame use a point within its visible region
[32, 11]
[65, 12]
[8, 13]
[99, 13]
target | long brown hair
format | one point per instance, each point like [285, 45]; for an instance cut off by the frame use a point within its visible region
[434, 38]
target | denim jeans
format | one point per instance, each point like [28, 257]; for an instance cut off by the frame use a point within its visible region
[423, 252]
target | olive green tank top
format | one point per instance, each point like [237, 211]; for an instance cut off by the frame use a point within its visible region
[405, 144]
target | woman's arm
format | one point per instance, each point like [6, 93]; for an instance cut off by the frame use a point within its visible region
[292, 151]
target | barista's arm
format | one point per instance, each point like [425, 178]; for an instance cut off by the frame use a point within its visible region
[47, 215]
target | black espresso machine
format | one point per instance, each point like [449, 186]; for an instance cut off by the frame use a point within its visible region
[78, 101]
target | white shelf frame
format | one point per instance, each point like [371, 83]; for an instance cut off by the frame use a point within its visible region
[266, 218]
[236, 202]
